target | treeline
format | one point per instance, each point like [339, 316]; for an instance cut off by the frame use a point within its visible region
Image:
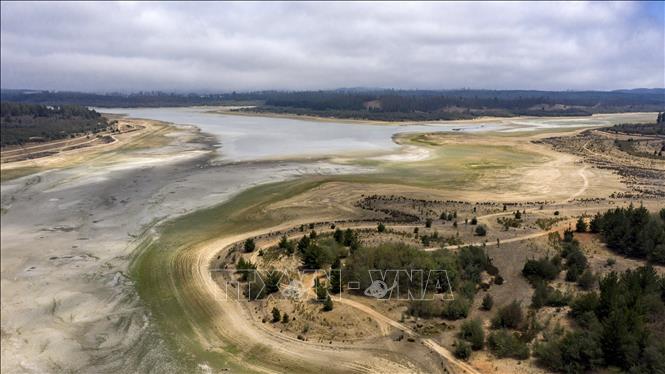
[21, 123]
[633, 232]
[622, 326]
[657, 128]
[378, 104]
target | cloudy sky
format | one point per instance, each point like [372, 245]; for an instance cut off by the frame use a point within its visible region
[247, 46]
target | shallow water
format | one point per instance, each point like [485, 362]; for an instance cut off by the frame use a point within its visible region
[245, 138]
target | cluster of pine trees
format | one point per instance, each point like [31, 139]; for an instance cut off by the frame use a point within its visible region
[621, 326]
[633, 232]
[21, 123]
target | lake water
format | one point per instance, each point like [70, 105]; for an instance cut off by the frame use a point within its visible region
[244, 138]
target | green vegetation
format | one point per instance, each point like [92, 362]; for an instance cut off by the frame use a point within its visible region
[542, 270]
[22, 123]
[249, 245]
[505, 344]
[581, 225]
[488, 302]
[547, 223]
[472, 331]
[276, 315]
[481, 230]
[509, 316]
[622, 326]
[633, 232]
[462, 350]
[385, 105]
[327, 304]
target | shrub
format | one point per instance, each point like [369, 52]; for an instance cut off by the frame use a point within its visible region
[572, 275]
[462, 350]
[481, 230]
[540, 270]
[509, 316]
[488, 302]
[545, 295]
[424, 308]
[381, 227]
[587, 280]
[584, 303]
[472, 331]
[574, 353]
[456, 309]
[428, 223]
[505, 344]
[474, 221]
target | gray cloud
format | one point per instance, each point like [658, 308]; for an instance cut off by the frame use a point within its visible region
[244, 46]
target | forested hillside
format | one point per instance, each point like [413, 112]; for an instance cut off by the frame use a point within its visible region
[389, 105]
[21, 123]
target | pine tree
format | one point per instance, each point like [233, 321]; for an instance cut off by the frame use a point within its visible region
[336, 277]
[338, 235]
[303, 244]
[249, 245]
[581, 225]
[328, 304]
[321, 290]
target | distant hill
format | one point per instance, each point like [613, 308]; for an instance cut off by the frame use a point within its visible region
[379, 104]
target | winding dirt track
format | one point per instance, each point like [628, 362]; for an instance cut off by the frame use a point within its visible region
[230, 324]
[230, 320]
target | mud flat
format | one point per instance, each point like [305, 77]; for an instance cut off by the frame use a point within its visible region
[69, 232]
[105, 255]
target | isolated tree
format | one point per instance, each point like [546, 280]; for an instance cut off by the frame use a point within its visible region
[581, 225]
[518, 215]
[474, 221]
[428, 222]
[321, 290]
[381, 227]
[249, 245]
[328, 304]
[285, 318]
[276, 315]
[312, 235]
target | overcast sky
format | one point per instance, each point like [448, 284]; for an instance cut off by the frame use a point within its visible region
[249, 46]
